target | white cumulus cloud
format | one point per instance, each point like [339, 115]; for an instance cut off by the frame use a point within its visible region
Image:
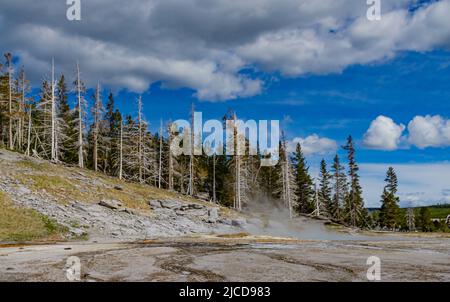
[314, 145]
[429, 131]
[383, 134]
[209, 46]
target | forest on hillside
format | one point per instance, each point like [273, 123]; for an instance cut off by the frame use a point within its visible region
[64, 123]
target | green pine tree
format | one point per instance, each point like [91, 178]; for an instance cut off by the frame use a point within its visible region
[340, 187]
[324, 193]
[423, 220]
[66, 124]
[389, 216]
[304, 185]
[354, 212]
[111, 130]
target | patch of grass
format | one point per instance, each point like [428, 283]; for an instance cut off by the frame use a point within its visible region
[62, 189]
[440, 212]
[20, 224]
[33, 164]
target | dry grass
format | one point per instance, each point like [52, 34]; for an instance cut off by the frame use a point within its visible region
[19, 224]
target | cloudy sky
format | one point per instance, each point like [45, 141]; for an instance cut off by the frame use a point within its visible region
[320, 67]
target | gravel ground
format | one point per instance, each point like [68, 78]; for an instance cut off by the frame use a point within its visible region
[204, 259]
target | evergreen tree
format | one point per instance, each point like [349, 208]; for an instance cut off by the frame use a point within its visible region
[304, 185]
[111, 135]
[324, 193]
[390, 210]
[354, 212]
[66, 124]
[423, 220]
[340, 187]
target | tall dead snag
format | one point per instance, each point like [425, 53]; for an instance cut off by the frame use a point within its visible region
[121, 148]
[97, 115]
[236, 141]
[81, 105]
[171, 159]
[139, 156]
[54, 137]
[288, 179]
[191, 155]
[23, 114]
[140, 141]
[214, 178]
[160, 154]
[8, 57]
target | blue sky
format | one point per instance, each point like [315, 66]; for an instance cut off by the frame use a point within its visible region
[332, 106]
[320, 67]
[335, 106]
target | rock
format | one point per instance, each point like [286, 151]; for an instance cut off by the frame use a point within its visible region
[238, 222]
[154, 204]
[226, 221]
[213, 215]
[192, 206]
[110, 204]
[171, 204]
[130, 211]
[80, 207]
[21, 190]
[196, 206]
[202, 196]
[77, 232]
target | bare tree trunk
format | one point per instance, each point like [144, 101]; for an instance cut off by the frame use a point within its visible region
[29, 131]
[160, 154]
[96, 127]
[170, 159]
[21, 125]
[80, 121]
[238, 182]
[316, 212]
[10, 131]
[214, 178]
[140, 149]
[121, 149]
[54, 154]
[191, 158]
[237, 167]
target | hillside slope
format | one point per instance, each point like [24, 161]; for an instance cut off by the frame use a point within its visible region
[93, 205]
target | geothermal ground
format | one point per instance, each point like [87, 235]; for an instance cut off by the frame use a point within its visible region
[230, 258]
[127, 232]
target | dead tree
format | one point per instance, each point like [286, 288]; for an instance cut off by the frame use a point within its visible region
[191, 155]
[8, 57]
[54, 138]
[160, 154]
[170, 155]
[81, 104]
[121, 149]
[97, 113]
